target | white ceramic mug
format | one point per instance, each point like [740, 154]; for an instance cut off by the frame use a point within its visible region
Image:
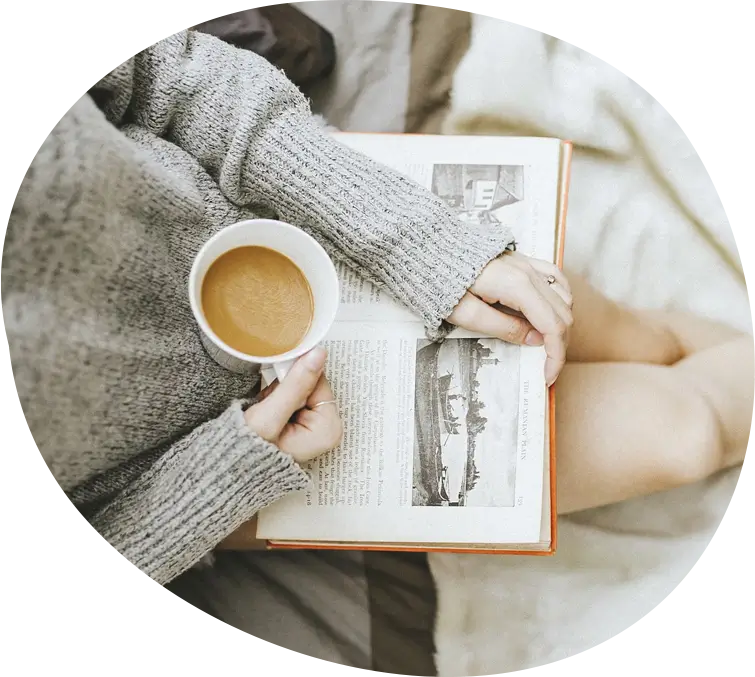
[310, 258]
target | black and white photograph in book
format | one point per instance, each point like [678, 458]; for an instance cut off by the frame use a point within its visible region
[466, 415]
[479, 193]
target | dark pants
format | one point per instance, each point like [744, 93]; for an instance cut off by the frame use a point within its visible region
[284, 36]
[367, 610]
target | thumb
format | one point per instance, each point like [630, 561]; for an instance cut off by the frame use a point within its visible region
[272, 414]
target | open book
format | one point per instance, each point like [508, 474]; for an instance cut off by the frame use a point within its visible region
[446, 446]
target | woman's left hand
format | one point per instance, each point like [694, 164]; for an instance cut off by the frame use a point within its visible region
[521, 283]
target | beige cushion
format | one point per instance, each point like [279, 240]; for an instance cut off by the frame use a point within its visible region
[440, 38]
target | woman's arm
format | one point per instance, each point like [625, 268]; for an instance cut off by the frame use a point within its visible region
[195, 495]
[244, 538]
[252, 130]
[212, 482]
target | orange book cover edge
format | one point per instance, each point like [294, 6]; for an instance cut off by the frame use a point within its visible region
[568, 149]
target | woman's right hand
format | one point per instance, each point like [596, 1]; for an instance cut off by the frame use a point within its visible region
[288, 415]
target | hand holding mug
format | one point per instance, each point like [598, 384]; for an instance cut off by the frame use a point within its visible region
[249, 287]
[299, 414]
[536, 289]
[300, 417]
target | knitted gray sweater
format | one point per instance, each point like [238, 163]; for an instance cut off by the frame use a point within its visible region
[142, 430]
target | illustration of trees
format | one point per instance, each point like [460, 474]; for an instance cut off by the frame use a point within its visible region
[475, 420]
[472, 475]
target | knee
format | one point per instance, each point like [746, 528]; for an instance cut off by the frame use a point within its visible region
[696, 444]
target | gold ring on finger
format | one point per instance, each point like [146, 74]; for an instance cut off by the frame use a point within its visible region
[321, 404]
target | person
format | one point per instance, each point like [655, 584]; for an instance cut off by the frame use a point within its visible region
[168, 455]
[162, 450]
[648, 401]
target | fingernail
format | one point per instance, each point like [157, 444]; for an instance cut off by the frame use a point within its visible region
[534, 338]
[314, 360]
[549, 380]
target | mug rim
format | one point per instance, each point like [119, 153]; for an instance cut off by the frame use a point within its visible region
[199, 317]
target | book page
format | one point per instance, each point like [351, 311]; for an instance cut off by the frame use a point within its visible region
[511, 181]
[459, 424]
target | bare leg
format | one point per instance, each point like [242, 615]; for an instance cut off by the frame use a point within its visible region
[640, 422]
[693, 333]
[606, 331]
[627, 430]
[723, 375]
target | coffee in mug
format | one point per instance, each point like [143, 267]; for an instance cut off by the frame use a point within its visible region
[263, 293]
[257, 301]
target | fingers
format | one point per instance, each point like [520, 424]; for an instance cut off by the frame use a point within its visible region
[324, 421]
[561, 300]
[558, 293]
[316, 429]
[266, 392]
[545, 318]
[322, 393]
[556, 296]
[546, 268]
[565, 296]
[476, 315]
[551, 319]
[536, 303]
[513, 282]
[269, 417]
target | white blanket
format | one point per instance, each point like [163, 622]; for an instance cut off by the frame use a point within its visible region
[646, 226]
[369, 90]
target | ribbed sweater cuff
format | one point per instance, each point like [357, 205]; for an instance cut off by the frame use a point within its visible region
[205, 487]
[389, 228]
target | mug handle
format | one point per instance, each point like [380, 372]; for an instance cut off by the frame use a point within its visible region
[282, 368]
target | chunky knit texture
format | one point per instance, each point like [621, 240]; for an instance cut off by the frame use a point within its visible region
[139, 426]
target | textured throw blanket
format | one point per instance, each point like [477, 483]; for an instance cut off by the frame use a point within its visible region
[645, 226]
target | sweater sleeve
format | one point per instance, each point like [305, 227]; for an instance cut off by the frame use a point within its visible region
[195, 494]
[253, 132]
